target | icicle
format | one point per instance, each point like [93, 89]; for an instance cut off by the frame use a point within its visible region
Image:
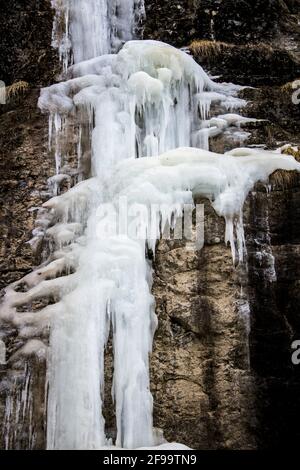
[84, 29]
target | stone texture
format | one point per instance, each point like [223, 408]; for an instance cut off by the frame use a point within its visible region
[26, 29]
[273, 248]
[250, 64]
[201, 382]
[233, 21]
[25, 166]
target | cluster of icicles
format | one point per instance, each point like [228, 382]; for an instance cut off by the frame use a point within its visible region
[84, 29]
[146, 111]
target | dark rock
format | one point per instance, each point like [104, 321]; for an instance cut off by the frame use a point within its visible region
[250, 65]
[234, 21]
[26, 32]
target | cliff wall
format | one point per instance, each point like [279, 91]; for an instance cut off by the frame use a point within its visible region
[216, 383]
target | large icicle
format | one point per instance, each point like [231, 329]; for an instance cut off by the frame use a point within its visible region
[84, 29]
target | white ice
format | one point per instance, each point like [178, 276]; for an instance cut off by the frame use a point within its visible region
[147, 108]
[84, 29]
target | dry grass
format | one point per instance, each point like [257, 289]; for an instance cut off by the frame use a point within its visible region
[294, 151]
[287, 87]
[16, 89]
[285, 179]
[212, 49]
[290, 86]
[208, 49]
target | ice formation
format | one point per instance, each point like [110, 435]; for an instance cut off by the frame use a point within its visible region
[84, 29]
[154, 98]
[142, 117]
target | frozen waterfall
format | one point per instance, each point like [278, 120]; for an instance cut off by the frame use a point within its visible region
[131, 123]
[84, 29]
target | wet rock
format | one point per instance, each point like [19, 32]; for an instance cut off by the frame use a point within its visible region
[232, 21]
[250, 65]
[26, 31]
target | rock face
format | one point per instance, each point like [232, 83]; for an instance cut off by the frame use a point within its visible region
[272, 221]
[202, 385]
[221, 369]
[249, 64]
[26, 29]
[26, 55]
[25, 167]
[214, 386]
[233, 21]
